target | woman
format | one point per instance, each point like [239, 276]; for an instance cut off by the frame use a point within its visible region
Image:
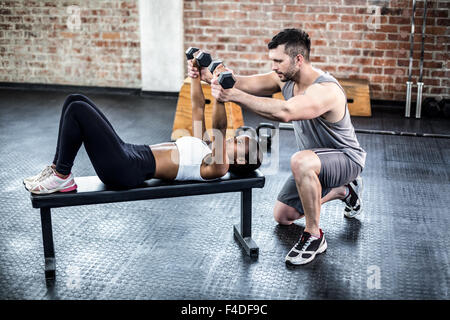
[125, 165]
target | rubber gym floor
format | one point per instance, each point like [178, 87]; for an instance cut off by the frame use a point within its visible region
[183, 248]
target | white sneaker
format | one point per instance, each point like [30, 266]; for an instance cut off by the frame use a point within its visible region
[53, 183]
[28, 182]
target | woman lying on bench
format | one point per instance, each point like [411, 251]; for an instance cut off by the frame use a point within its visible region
[125, 165]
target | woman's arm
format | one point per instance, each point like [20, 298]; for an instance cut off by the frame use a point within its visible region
[219, 165]
[198, 107]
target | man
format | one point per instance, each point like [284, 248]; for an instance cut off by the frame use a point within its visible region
[330, 159]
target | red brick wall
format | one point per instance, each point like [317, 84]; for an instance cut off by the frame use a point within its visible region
[94, 43]
[350, 38]
[45, 42]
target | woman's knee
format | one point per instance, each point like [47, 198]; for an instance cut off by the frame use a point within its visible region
[77, 106]
[73, 97]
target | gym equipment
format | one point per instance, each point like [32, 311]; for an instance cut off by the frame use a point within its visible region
[420, 83]
[190, 52]
[92, 191]
[182, 123]
[214, 65]
[203, 58]
[431, 107]
[264, 137]
[358, 96]
[226, 78]
[247, 130]
[411, 51]
[289, 126]
[444, 104]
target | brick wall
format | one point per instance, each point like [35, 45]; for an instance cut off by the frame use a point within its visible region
[97, 43]
[89, 43]
[362, 39]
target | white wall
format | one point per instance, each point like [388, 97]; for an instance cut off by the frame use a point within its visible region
[162, 47]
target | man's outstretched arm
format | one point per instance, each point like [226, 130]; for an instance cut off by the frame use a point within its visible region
[315, 102]
[259, 85]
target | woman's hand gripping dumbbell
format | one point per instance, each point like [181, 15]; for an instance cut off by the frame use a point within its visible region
[197, 64]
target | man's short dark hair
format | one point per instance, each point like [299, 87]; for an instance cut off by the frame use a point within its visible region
[296, 42]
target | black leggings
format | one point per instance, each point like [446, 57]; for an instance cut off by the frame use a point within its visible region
[116, 163]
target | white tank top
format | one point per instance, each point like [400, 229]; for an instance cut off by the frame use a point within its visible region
[192, 151]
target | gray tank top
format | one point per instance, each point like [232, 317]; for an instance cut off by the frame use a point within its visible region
[319, 133]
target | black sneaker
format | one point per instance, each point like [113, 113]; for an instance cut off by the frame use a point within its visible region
[306, 249]
[353, 202]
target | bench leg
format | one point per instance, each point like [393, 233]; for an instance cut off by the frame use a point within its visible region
[243, 231]
[47, 237]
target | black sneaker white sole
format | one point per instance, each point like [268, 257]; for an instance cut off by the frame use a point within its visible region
[353, 211]
[296, 257]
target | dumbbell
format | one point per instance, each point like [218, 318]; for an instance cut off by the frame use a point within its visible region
[190, 52]
[431, 107]
[214, 65]
[226, 78]
[204, 59]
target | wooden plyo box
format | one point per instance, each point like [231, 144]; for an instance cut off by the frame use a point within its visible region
[182, 124]
[358, 96]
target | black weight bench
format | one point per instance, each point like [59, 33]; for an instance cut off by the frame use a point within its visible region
[92, 191]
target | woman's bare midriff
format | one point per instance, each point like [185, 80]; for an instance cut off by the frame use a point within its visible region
[167, 160]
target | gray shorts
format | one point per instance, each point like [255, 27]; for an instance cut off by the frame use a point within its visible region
[337, 169]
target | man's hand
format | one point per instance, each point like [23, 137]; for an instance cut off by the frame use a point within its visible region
[221, 94]
[193, 72]
[217, 91]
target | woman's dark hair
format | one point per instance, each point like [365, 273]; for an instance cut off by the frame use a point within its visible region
[296, 42]
[253, 158]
